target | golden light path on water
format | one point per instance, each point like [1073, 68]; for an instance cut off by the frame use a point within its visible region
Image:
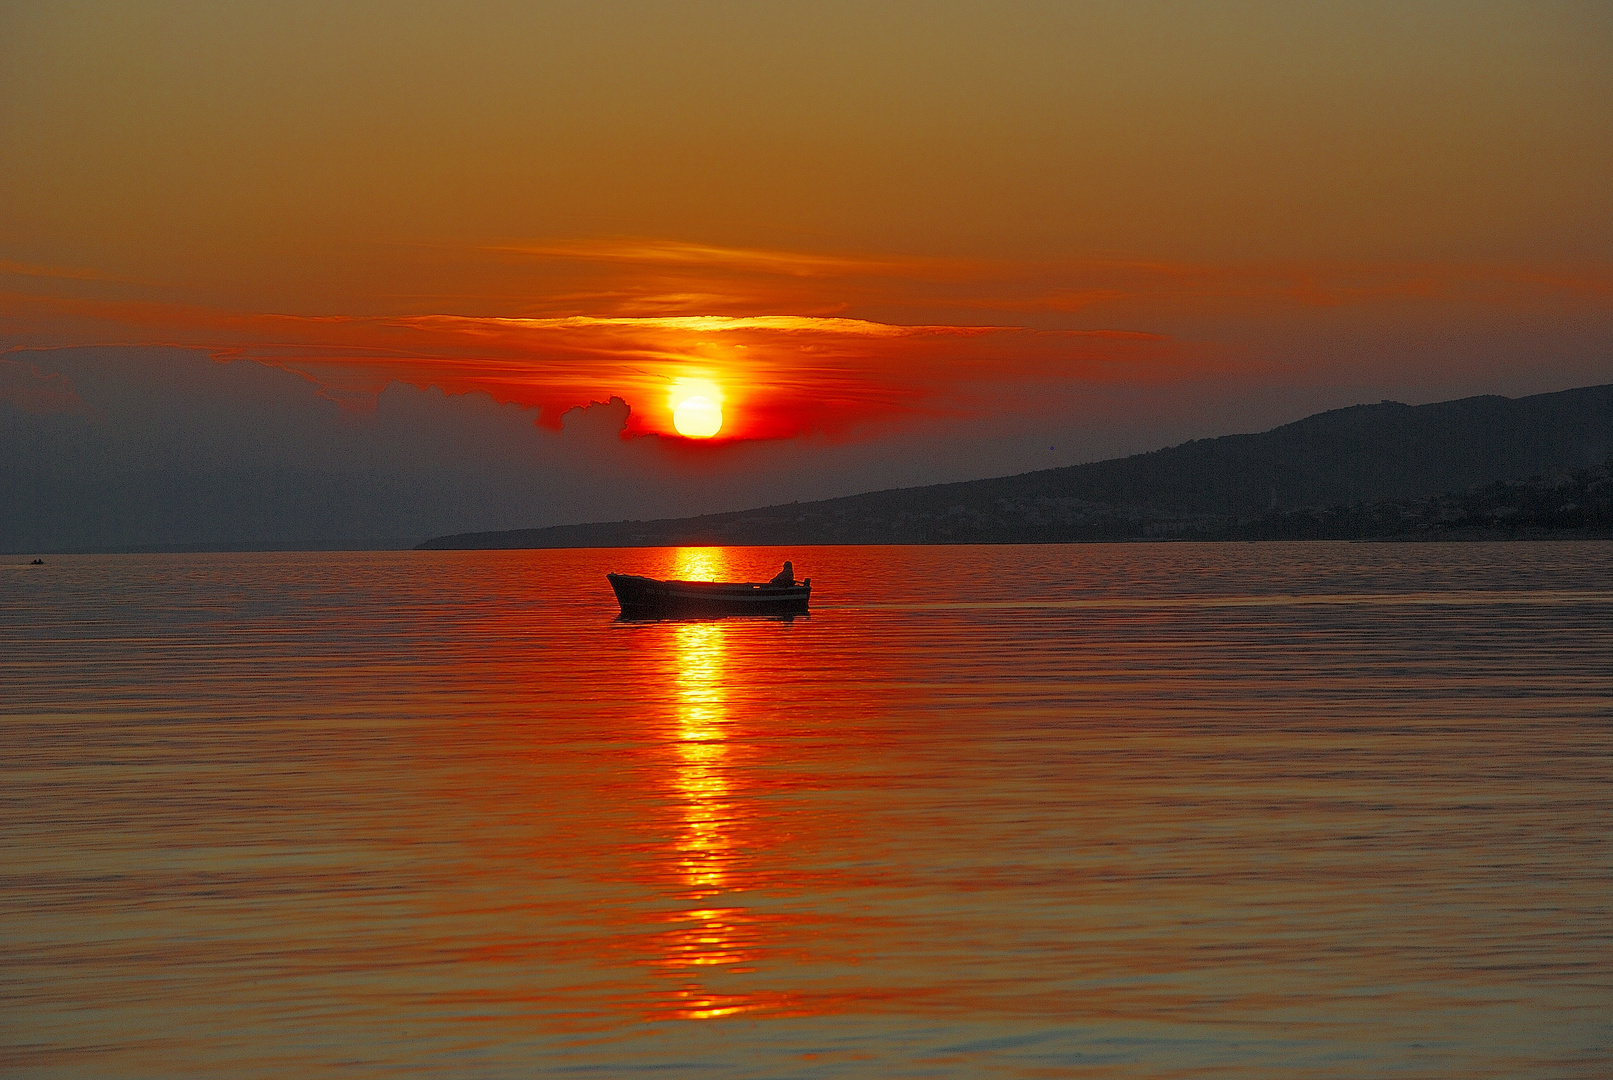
[702, 782]
[706, 843]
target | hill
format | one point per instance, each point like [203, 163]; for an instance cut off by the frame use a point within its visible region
[1312, 477]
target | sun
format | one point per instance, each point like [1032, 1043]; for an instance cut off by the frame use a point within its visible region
[697, 417]
[697, 405]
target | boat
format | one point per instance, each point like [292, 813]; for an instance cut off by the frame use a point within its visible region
[643, 597]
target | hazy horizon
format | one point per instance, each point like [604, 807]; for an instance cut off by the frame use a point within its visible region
[326, 466]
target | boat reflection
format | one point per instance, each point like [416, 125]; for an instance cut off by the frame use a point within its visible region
[710, 618]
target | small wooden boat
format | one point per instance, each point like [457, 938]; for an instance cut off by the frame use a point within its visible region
[644, 597]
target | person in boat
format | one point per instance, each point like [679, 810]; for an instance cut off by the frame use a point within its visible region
[785, 576]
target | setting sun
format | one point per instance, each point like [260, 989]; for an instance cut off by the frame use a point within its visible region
[697, 417]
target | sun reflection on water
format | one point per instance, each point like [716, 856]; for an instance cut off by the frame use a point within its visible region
[702, 780]
[704, 939]
[699, 564]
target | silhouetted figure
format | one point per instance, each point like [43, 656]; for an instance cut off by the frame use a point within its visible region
[785, 576]
[41, 562]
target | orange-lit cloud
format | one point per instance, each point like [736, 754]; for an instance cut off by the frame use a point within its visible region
[643, 277]
[798, 343]
[711, 257]
[779, 376]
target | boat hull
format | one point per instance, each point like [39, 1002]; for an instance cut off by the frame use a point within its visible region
[647, 597]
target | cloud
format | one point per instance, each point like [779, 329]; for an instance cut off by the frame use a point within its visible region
[782, 376]
[640, 277]
[852, 347]
[1063, 284]
[596, 419]
[709, 257]
[25, 387]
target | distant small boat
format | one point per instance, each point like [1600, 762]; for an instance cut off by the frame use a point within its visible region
[649, 597]
[37, 562]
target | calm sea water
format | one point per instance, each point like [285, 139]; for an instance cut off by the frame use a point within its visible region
[1310, 810]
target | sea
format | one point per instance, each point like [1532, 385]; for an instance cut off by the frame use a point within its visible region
[1135, 810]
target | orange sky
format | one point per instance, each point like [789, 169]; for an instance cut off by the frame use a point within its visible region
[850, 221]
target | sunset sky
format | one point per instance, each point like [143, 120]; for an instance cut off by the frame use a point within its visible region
[481, 251]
